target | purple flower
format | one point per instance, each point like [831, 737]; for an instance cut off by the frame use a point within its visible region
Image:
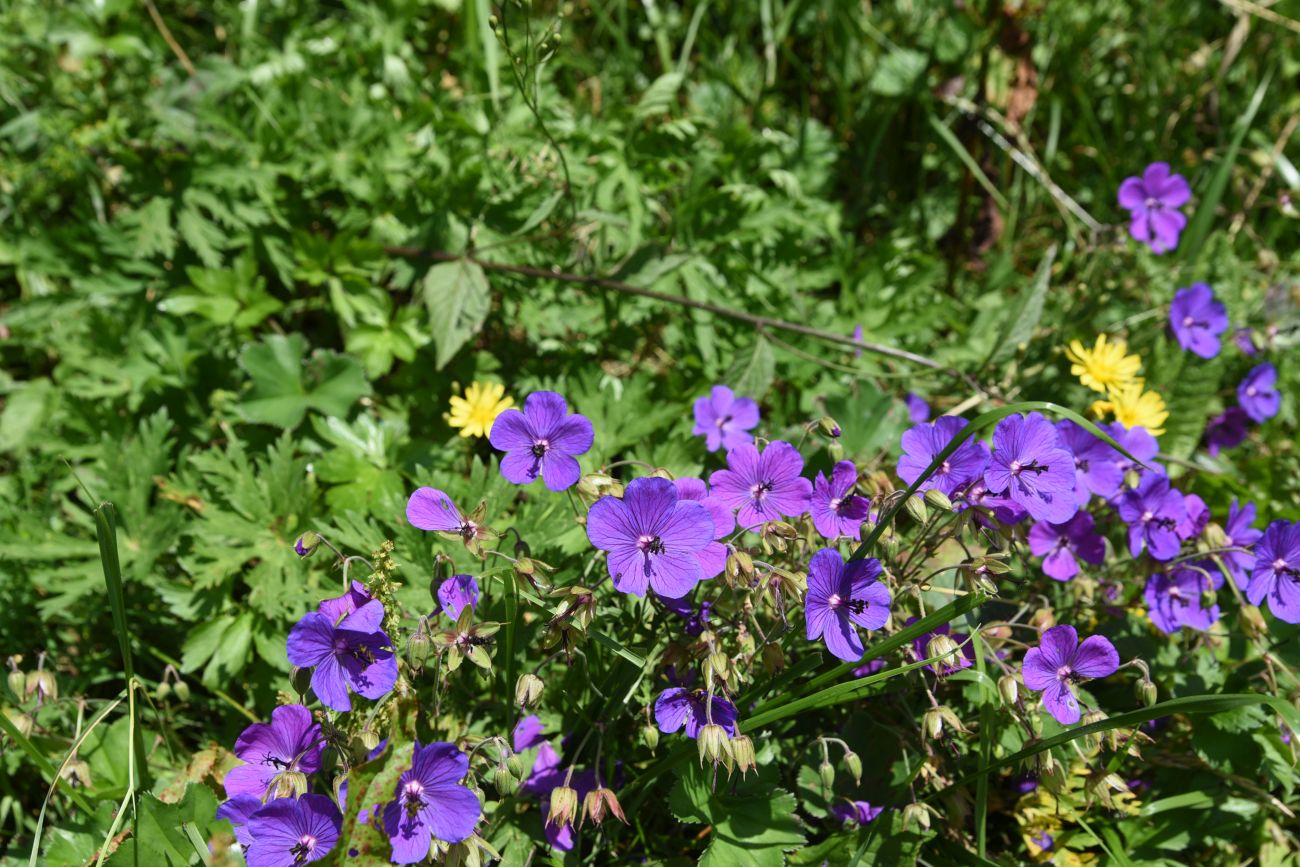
[836, 510]
[842, 596]
[856, 811]
[1239, 533]
[724, 420]
[1244, 338]
[1153, 511]
[293, 831]
[339, 607]
[457, 592]
[1095, 467]
[527, 734]
[871, 667]
[355, 654]
[1030, 464]
[431, 802]
[291, 741]
[1197, 320]
[1138, 442]
[1174, 601]
[1258, 394]
[1059, 661]
[431, 509]
[546, 772]
[1277, 571]
[677, 707]
[1003, 508]
[951, 665]
[695, 622]
[545, 776]
[917, 409]
[713, 557]
[1062, 545]
[1198, 517]
[764, 487]
[1153, 202]
[542, 440]
[1226, 430]
[922, 444]
[857, 335]
[653, 538]
[237, 811]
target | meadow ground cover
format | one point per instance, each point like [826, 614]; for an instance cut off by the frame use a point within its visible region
[440, 431]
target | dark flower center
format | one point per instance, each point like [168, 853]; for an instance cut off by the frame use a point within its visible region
[413, 790]
[468, 530]
[1032, 467]
[855, 606]
[1065, 674]
[276, 762]
[649, 545]
[722, 421]
[759, 493]
[539, 449]
[303, 848]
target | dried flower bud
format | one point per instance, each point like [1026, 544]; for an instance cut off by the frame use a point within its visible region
[599, 803]
[938, 499]
[916, 508]
[714, 745]
[528, 690]
[78, 773]
[1092, 741]
[916, 814]
[1043, 618]
[306, 543]
[829, 427]
[739, 565]
[369, 737]
[718, 664]
[1009, 688]
[650, 734]
[1215, 536]
[742, 749]
[564, 806]
[1147, 693]
[290, 784]
[944, 648]
[854, 763]
[42, 684]
[182, 690]
[593, 486]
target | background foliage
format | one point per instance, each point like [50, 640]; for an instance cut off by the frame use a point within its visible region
[212, 318]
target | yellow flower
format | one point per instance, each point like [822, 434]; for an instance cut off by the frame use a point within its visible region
[475, 412]
[1105, 366]
[1134, 407]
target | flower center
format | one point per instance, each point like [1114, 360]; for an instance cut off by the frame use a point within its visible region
[759, 493]
[1152, 203]
[1279, 565]
[1251, 391]
[835, 503]
[541, 447]
[468, 530]
[649, 545]
[945, 467]
[1188, 321]
[1147, 516]
[1064, 673]
[722, 422]
[856, 606]
[413, 790]
[305, 846]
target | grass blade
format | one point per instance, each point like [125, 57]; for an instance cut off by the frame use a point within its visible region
[42, 762]
[106, 531]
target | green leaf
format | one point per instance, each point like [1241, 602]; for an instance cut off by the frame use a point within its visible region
[458, 298]
[25, 411]
[285, 387]
[752, 376]
[154, 234]
[753, 822]
[660, 96]
[898, 72]
[1023, 317]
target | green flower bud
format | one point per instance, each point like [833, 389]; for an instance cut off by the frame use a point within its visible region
[182, 690]
[650, 734]
[506, 783]
[479, 657]
[300, 678]
[916, 814]
[916, 508]
[369, 737]
[827, 773]
[163, 690]
[306, 544]
[773, 658]
[944, 648]
[1009, 688]
[713, 744]
[17, 683]
[854, 763]
[938, 499]
[528, 690]
[742, 750]
[290, 784]
[417, 649]
[43, 684]
[829, 427]
[20, 720]
[1147, 693]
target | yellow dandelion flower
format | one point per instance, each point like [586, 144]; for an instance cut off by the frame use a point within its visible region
[1134, 407]
[1105, 366]
[475, 412]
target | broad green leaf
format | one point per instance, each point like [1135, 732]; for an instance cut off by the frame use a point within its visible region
[1022, 317]
[285, 386]
[752, 375]
[458, 298]
[897, 72]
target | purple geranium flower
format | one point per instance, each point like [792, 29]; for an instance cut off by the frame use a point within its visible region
[922, 444]
[764, 487]
[653, 538]
[1258, 393]
[1153, 511]
[1138, 442]
[713, 557]
[1277, 571]
[1003, 508]
[836, 510]
[695, 621]
[1174, 601]
[237, 811]
[1030, 464]
[431, 509]
[855, 811]
[1059, 661]
[725, 420]
[1197, 320]
[1244, 338]
[1095, 467]
[951, 665]
[842, 596]
[356, 653]
[677, 707]
[339, 607]
[542, 440]
[1226, 430]
[1153, 202]
[527, 734]
[1062, 545]
[293, 831]
[1198, 517]
[457, 592]
[291, 741]
[917, 409]
[1238, 533]
[431, 803]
